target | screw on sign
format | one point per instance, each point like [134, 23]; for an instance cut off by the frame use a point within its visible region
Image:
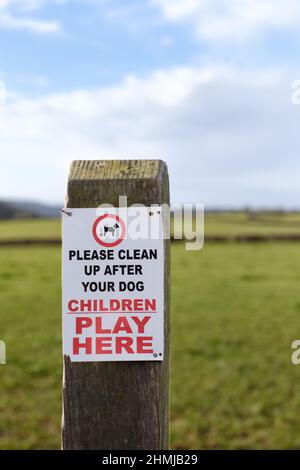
[112, 337]
[109, 230]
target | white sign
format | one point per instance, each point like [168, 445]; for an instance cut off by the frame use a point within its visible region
[113, 284]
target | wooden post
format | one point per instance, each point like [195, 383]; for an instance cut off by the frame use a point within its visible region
[118, 405]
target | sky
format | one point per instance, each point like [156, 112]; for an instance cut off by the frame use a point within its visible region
[205, 85]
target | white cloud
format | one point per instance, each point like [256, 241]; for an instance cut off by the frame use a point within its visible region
[30, 5]
[229, 136]
[29, 24]
[12, 17]
[231, 19]
[3, 93]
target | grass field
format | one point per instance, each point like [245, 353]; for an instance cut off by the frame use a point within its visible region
[247, 223]
[239, 223]
[235, 312]
[30, 229]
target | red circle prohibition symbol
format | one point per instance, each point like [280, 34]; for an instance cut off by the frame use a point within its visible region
[116, 242]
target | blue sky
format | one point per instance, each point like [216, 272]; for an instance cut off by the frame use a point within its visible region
[204, 84]
[96, 43]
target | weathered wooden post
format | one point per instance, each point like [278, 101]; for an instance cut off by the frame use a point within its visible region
[118, 405]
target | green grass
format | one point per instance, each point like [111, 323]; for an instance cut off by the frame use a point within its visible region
[31, 228]
[30, 324]
[242, 223]
[239, 223]
[235, 312]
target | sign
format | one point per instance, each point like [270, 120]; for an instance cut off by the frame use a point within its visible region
[113, 284]
[2, 352]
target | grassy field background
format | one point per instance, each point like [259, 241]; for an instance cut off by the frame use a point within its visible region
[35, 229]
[224, 223]
[235, 313]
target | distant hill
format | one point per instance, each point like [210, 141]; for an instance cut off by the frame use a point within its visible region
[26, 210]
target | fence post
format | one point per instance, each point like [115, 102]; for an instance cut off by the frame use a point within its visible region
[118, 405]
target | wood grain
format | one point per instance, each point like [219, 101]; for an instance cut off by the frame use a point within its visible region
[118, 405]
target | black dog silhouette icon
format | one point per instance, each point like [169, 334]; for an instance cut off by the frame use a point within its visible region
[110, 229]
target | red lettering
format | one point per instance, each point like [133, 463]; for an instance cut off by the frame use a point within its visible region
[114, 305]
[122, 325]
[127, 305]
[102, 344]
[87, 345]
[142, 343]
[124, 343]
[70, 306]
[99, 329]
[85, 306]
[141, 323]
[82, 322]
[150, 305]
